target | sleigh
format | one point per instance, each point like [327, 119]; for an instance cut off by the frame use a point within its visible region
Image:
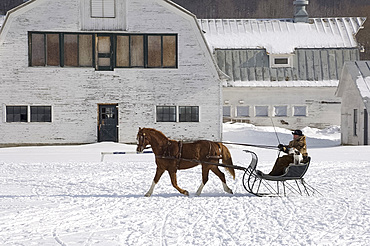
[291, 182]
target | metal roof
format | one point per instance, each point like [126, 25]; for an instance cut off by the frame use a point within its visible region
[281, 36]
[363, 80]
[359, 72]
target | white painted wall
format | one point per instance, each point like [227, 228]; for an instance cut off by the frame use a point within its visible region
[74, 93]
[351, 99]
[320, 114]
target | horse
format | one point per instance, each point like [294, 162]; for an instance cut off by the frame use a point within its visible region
[171, 155]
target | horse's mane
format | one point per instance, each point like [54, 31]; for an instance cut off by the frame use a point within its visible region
[152, 130]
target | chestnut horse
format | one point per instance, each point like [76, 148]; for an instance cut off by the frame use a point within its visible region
[174, 155]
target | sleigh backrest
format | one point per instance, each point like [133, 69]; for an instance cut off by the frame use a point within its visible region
[297, 171]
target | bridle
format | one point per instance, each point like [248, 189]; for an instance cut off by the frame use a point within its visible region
[142, 140]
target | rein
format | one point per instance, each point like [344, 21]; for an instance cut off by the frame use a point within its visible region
[201, 162]
[252, 145]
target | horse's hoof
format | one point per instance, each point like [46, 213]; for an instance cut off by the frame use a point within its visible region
[186, 193]
[147, 195]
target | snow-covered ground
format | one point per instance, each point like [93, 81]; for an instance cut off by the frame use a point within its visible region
[64, 195]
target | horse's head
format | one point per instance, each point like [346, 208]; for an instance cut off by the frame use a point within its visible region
[142, 140]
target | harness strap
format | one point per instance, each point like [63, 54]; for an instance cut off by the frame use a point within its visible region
[209, 156]
[179, 155]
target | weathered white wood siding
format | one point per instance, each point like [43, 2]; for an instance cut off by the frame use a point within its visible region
[352, 99]
[322, 105]
[119, 23]
[74, 93]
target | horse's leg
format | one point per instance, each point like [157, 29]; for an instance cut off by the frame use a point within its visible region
[174, 183]
[221, 175]
[157, 176]
[205, 172]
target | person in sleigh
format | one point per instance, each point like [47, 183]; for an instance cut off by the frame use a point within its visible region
[297, 144]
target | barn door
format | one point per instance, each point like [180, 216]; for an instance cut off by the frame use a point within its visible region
[104, 52]
[366, 125]
[108, 123]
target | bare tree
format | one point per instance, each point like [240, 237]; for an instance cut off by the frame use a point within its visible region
[6, 5]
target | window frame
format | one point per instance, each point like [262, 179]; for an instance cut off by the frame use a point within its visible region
[240, 112]
[12, 108]
[160, 117]
[102, 13]
[37, 54]
[29, 114]
[277, 114]
[256, 111]
[295, 111]
[145, 56]
[228, 110]
[275, 57]
[39, 107]
[194, 116]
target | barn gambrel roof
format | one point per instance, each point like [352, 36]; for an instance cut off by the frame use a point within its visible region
[281, 36]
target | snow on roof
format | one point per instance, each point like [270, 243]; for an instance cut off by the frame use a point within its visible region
[281, 36]
[363, 81]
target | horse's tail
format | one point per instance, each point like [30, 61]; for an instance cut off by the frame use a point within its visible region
[226, 159]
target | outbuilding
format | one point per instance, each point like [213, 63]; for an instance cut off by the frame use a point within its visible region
[354, 89]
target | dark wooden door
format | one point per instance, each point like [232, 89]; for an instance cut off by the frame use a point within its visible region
[366, 125]
[108, 123]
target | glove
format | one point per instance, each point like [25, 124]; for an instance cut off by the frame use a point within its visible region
[281, 147]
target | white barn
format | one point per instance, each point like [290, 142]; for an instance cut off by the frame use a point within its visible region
[82, 71]
[283, 70]
[354, 89]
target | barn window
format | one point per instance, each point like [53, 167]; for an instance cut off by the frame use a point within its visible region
[123, 51]
[280, 111]
[85, 50]
[189, 114]
[149, 51]
[37, 44]
[16, 114]
[166, 113]
[281, 60]
[52, 50]
[78, 50]
[71, 50]
[104, 51]
[44, 49]
[226, 111]
[103, 8]
[262, 111]
[40, 113]
[299, 111]
[242, 111]
[137, 51]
